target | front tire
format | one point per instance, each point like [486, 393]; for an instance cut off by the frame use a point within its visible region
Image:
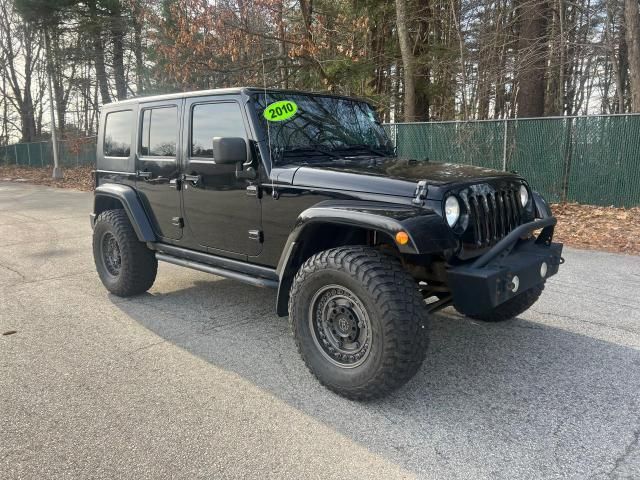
[359, 321]
[512, 307]
[125, 265]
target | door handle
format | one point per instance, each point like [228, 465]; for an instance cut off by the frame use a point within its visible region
[194, 179]
[140, 174]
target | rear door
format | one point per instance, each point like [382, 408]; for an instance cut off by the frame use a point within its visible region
[157, 165]
[221, 211]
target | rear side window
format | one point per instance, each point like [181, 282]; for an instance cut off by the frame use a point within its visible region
[117, 134]
[210, 120]
[159, 132]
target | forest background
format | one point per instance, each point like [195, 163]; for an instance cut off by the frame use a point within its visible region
[416, 60]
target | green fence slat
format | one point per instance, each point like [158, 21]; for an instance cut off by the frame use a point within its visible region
[40, 154]
[593, 159]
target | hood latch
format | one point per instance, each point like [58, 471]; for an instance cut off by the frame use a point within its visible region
[421, 193]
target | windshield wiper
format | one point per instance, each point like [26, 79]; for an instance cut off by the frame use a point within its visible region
[365, 147]
[313, 149]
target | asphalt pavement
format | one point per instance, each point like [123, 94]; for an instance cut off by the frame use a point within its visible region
[200, 379]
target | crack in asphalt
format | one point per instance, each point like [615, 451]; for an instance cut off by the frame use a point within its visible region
[20, 274]
[70, 237]
[42, 280]
[144, 347]
[582, 320]
[620, 460]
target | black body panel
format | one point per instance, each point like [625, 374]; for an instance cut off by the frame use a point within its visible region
[158, 175]
[127, 197]
[219, 209]
[391, 176]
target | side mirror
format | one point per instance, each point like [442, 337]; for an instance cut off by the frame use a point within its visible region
[229, 150]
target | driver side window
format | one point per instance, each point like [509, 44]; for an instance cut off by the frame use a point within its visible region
[210, 120]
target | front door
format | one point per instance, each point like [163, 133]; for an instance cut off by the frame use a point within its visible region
[220, 211]
[157, 166]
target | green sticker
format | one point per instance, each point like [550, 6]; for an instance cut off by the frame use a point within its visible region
[279, 111]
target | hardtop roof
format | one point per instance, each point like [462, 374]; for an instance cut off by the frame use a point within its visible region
[220, 91]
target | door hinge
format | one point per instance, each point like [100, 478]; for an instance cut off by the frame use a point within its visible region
[175, 183]
[255, 235]
[178, 222]
[253, 191]
[420, 194]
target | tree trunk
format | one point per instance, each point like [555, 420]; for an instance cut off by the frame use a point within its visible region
[101, 73]
[98, 53]
[117, 40]
[58, 79]
[632, 21]
[532, 58]
[27, 118]
[408, 61]
[4, 139]
[137, 47]
[282, 47]
[27, 111]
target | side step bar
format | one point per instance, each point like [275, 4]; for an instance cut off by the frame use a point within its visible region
[221, 272]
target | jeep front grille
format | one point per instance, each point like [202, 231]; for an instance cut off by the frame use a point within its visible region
[493, 214]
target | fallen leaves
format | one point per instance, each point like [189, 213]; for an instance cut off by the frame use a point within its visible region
[79, 178]
[581, 226]
[599, 228]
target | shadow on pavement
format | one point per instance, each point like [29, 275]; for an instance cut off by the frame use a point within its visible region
[519, 393]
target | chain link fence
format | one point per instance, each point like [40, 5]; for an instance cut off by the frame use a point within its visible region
[590, 159]
[71, 153]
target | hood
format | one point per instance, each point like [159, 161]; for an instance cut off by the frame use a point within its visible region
[389, 176]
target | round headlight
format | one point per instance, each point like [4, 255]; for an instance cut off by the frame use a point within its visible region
[452, 210]
[524, 195]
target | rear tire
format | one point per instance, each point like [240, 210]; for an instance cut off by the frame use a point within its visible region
[359, 321]
[125, 265]
[511, 308]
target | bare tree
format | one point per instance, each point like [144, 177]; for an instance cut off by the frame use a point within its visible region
[532, 58]
[632, 30]
[21, 52]
[408, 61]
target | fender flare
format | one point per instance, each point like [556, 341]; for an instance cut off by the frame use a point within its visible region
[427, 233]
[542, 207]
[131, 204]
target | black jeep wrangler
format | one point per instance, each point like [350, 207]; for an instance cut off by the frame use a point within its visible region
[304, 193]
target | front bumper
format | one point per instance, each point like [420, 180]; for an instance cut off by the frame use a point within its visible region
[490, 280]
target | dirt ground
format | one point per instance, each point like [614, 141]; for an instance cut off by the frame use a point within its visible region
[581, 226]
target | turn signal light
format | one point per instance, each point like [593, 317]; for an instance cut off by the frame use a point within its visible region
[402, 238]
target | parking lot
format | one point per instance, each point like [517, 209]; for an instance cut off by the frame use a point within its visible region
[200, 379]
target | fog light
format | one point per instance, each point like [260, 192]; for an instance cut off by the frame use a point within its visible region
[515, 283]
[543, 269]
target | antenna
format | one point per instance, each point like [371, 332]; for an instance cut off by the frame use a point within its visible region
[264, 83]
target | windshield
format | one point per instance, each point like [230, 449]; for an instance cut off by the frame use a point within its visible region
[319, 128]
